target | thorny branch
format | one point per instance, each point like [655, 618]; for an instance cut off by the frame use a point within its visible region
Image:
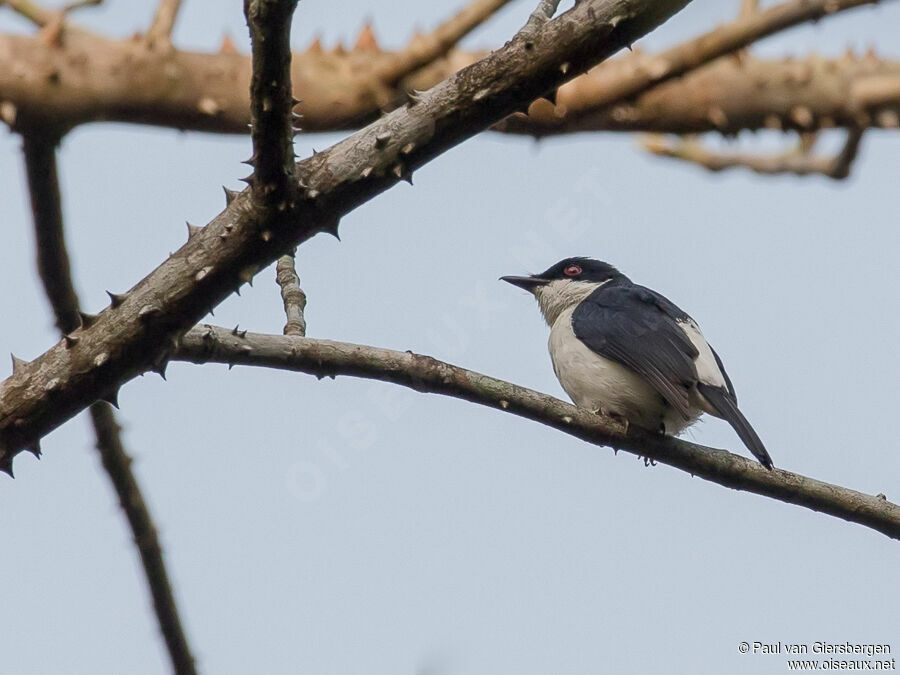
[89, 78]
[140, 332]
[210, 344]
[53, 264]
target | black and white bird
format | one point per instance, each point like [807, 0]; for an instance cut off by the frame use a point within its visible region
[627, 351]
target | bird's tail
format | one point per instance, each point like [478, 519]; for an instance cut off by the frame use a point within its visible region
[727, 409]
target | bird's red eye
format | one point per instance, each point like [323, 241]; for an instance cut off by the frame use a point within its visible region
[572, 271]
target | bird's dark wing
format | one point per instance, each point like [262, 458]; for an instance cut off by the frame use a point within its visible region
[637, 327]
[725, 406]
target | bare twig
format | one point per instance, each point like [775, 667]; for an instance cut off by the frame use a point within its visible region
[800, 161]
[749, 7]
[427, 48]
[209, 344]
[292, 295]
[160, 32]
[141, 328]
[93, 81]
[53, 263]
[540, 16]
[31, 11]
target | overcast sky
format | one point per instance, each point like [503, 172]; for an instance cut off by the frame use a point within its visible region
[355, 527]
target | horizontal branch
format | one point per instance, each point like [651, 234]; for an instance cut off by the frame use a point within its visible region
[801, 161]
[210, 344]
[140, 328]
[88, 78]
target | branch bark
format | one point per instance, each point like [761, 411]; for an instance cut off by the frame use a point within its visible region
[801, 161]
[88, 78]
[210, 344]
[143, 327]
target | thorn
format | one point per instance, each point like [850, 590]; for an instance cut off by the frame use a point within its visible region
[35, 449]
[17, 363]
[413, 96]
[112, 398]
[251, 161]
[266, 235]
[249, 180]
[366, 41]
[401, 172]
[551, 96]
[234, 331]
[161, 369]
[295, 101]
[332, 228]
[407, 149]
[201, 274]
[381, 140]
[315, 47]
[6, 465]
[87, 320]
[237, 291]
[192, 230]
[71, 340]
[227, 46]
[147, 312]
[230, 195]
[242, 334]
[366, 172]
[115, 299]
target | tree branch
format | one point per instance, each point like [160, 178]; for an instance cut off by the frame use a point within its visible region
[143, 327]
[88, 78]
[272, 183]
[53, 264]
[428, 48]
[210, 344]
[160, 32]
[292, 295]
[800, 161]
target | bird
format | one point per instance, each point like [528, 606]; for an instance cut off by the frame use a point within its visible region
[626, 351]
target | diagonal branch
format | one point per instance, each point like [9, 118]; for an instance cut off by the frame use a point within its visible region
[53, 264]
[142, 328]
[209, 344]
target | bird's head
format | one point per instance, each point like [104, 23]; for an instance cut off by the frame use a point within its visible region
[566, 284]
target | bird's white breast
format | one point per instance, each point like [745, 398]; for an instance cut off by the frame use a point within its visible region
[599, 384]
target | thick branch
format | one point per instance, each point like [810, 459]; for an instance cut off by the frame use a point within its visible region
[209, 344]
[53, 263]
[89, 78]
[142, 328]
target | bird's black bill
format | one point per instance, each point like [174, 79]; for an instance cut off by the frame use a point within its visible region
[528, 283]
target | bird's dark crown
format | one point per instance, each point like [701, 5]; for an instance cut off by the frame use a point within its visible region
[580, 269]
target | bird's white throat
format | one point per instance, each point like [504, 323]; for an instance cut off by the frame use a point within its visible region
[561, 294]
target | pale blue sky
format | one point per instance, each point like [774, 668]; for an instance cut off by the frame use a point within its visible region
[354, 527]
